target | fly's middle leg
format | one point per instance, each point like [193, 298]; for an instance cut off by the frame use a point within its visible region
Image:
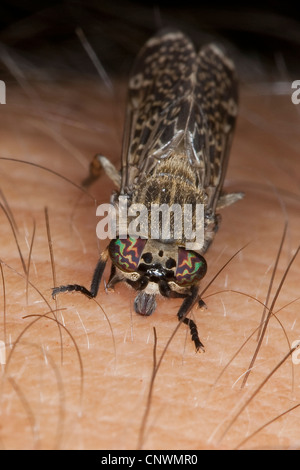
[97, 165]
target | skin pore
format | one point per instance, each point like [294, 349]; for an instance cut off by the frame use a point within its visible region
[78, 371]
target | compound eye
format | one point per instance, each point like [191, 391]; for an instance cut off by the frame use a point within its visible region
[126, 253]
[191, 267]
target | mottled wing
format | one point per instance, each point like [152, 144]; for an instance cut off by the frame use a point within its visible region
[161, 79]
[180, 100]
[216, 94]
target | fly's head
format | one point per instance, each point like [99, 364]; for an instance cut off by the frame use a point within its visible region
[152, 267]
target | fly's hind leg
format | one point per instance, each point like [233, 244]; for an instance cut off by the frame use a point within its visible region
[97, 165]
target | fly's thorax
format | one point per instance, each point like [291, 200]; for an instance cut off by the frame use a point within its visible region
[164, 188]
[170, 194]
[172, 181]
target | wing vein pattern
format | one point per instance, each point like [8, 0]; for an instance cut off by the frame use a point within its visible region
[180, 100]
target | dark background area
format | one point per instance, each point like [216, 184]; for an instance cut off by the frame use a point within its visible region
[41, 35]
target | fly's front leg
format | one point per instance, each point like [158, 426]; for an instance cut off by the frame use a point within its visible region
[97, 165]
[186, 306]
[98, 273]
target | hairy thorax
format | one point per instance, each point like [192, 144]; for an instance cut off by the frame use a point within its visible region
[173, 181]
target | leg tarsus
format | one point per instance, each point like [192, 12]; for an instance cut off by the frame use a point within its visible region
[72, 288]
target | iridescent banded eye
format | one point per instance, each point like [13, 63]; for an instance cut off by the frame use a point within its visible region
[191, 267]
[126, 253]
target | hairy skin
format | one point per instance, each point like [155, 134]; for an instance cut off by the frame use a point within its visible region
[79, 378]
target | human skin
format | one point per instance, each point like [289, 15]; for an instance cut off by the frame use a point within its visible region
[78, 371]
